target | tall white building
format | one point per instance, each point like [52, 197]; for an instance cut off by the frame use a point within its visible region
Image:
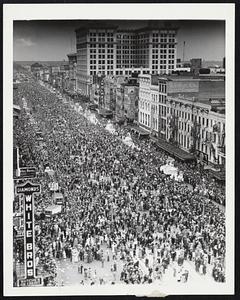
[106, 50]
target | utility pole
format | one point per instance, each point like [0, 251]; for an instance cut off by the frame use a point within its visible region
[183, 51]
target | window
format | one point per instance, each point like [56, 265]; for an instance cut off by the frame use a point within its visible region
[214, 137]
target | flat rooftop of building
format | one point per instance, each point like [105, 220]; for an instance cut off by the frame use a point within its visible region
[180, 77]
[135, 84]
[88, 25]
[196, 96]
[72, 54]
[200, 97]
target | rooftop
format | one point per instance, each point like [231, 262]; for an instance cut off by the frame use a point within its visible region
[72, 54]
[96, 25]
[130, 84]
[36, 65]
[217, 104]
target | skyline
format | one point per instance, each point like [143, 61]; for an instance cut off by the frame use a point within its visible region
[53, 40]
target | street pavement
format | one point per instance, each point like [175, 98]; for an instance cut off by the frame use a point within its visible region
[67, 272]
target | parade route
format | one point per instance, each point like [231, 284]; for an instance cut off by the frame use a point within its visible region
[115, 199]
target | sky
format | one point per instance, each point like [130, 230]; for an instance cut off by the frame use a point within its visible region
[53, 40]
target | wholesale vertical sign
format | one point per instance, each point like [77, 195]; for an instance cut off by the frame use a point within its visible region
[28, 190]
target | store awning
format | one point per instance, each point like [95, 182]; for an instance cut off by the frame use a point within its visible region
[139, 130]
[219, 175]
[173, 150]
[105, 113]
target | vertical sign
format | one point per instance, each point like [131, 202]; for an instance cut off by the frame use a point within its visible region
[28, 190]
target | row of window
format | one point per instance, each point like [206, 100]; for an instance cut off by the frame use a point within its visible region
[163, 35]
[162, 62]
[101, 34]
[101, 45]
[94, 56]
[125, 36]
[101, 67]
[144, 105]
[162, 67]
[154, 109]
[101, 40]
[93, 62]
[154, 97]
[164, 56]
[101, 50]
[184, 141]
[155, 127]
[145, 119]
[162, 111]
[102, 72]
[162, 99]
[133, 35]
[189, 116]
[163, 51]
[156, 40]
[163, 46]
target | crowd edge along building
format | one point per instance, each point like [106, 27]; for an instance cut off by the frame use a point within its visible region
[107, 50]
[72, 60]
[186, 112]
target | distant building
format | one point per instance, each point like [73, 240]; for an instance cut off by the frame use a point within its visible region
[127, 95]
[179, 63]
[55, 70]
[46, 75]
[37, 69]
[181, 70]
[106, 50]
[196, 64]
[28, 68]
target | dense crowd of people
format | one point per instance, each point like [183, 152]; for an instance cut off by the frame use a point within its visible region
[118, 205]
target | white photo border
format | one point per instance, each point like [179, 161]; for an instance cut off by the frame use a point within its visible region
[173, 11]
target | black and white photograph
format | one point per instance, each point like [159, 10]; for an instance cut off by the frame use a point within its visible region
[120, 151]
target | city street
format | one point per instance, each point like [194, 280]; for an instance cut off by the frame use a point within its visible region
[119, 161]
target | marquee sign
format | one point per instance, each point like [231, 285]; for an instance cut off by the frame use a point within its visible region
[28, 190]
[30, 282]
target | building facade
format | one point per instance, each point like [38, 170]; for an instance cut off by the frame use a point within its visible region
[130, 101]
[72, 60]
[148, 115]
[195, 127]
[196, 65]
[109, 51]
[126, 95]
[186, 112]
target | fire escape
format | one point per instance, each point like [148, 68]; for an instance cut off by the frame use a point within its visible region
[173, 127]
[195, 135]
